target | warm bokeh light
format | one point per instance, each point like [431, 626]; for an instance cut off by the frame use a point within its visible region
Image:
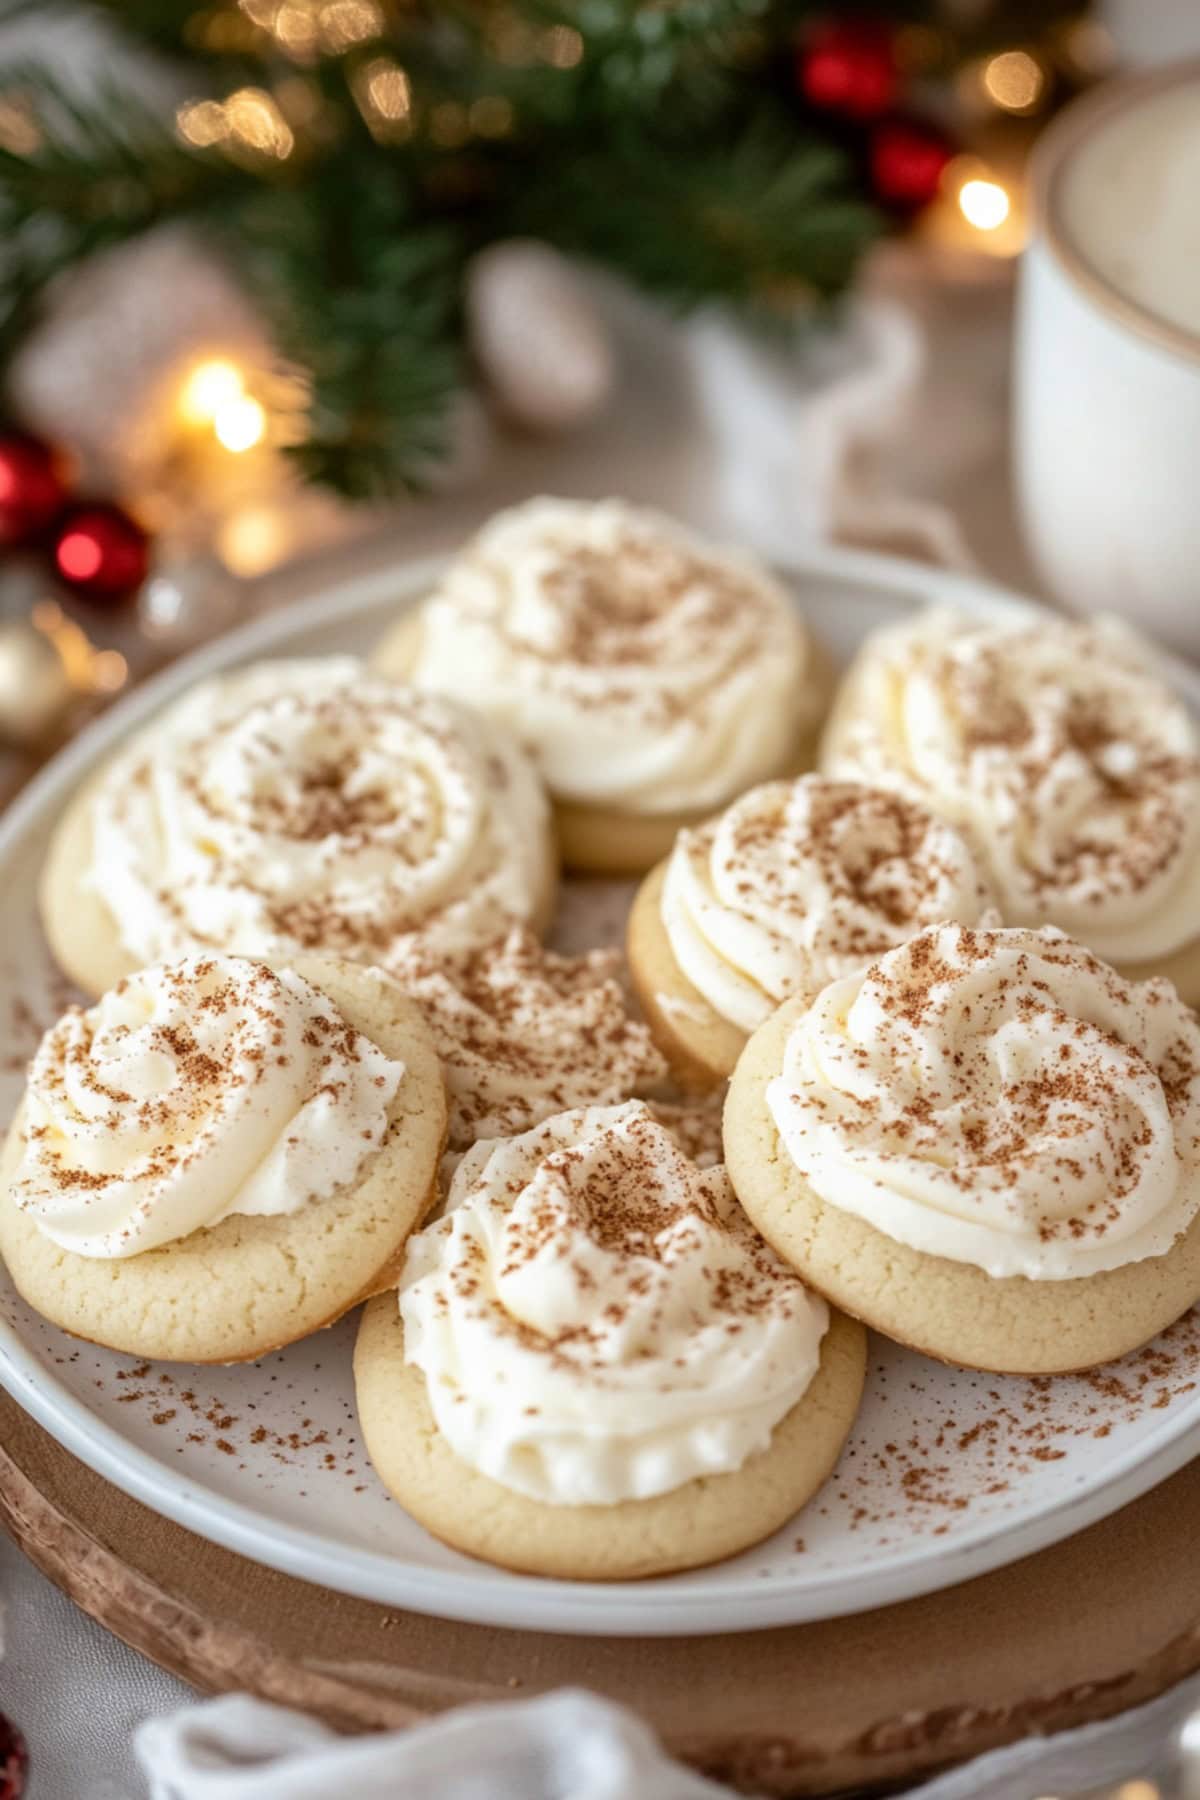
[213, 384]
[347, 22]
[1014, 80]
[249, 120]
[983, 204]
[295, 30]
[253, 540]
[110, 671]
[202, 123]
[19, 129]
[387, 89]
[255, 121]
[491, 116]
[562, 47]
[240, 423]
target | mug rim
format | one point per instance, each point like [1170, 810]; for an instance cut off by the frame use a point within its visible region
[1075, 125]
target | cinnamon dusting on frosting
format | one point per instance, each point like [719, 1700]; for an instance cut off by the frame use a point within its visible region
[589, 1270]
[1056, 746]
[1001, 1097]
[799, 882]
[644, 668]
[524, 1033]
[191, 1091]
[300, 805]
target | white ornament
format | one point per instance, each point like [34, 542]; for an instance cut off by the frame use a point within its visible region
[187, 600]
[543, 350]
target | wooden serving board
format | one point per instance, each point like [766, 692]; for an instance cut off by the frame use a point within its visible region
[1078, 1632]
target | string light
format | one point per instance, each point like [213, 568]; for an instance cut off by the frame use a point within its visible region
[250, 120]
[202, 123]
[211, 385]
[240, 424]
[983, 204]
[344, 23]
[1015, 81]
[213, 395]
[384, 97]
[294, 29]
[254, 120]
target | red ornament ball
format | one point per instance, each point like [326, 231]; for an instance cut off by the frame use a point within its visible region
[848, 66]
[32, 490]
[14, 1761]
[101, 553]
[906, 164]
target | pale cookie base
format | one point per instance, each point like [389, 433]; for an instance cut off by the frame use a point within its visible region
[597, 840]
[250, 1285]
[700, 1045]
[83, 934]
[949, 1310]
[701, 1522]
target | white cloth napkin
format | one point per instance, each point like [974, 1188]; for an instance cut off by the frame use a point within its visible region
[563, 1746]
[570, 1746]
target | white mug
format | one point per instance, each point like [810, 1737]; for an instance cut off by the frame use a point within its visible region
[1106, 427]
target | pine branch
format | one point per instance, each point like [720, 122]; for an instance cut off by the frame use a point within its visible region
[635, 136]
[740, 222]
[364, 299]
[102, 170]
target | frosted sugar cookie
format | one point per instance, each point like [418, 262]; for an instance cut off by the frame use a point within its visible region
[524, 1033]
[595, 1368]
[652, 676]
[1056, 746]
[220, 1156]
[296, 806]
[794, 884]
[987, 1146]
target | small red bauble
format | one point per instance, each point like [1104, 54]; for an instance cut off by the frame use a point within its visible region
[14, 1761]
[848, 66]
[100, 552]
[32, 492]
[907, 163]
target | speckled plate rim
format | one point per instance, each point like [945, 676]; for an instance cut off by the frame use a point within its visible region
[525, 1602]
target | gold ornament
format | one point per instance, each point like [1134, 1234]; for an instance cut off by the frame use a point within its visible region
[36, 692]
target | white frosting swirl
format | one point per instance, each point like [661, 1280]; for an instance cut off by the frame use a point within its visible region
[799, 882]
[1001, 1098]
[596, 1318]
[524, 1033]
[191, 1092]
[645, 670]
[302, 804]
[1073, 768]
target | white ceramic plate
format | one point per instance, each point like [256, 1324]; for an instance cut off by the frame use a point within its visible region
[947, 1474]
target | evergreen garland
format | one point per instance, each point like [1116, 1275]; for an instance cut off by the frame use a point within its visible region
[383, 143]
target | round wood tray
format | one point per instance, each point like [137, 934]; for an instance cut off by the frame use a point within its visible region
[1080, 1631]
